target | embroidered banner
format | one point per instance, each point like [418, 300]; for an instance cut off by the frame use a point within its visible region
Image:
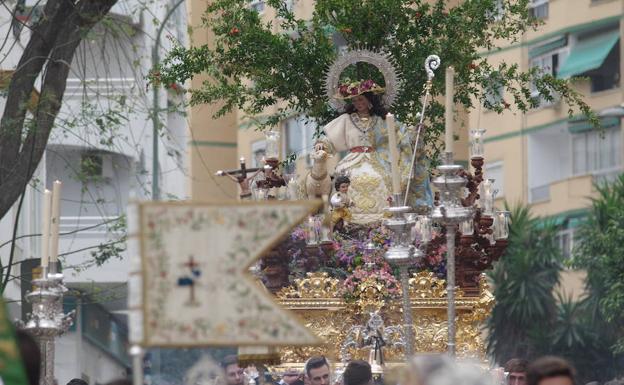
[197, 289]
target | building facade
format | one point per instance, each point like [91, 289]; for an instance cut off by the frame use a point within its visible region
[103, 150]
[543, 157]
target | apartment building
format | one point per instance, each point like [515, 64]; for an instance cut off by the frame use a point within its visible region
[545, 158]
[102, 149]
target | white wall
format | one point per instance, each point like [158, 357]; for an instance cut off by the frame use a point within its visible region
[105, 68]
[98, 366]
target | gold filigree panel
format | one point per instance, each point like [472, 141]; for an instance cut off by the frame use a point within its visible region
[316, 299]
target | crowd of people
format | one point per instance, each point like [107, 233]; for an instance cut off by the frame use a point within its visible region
[422, 370]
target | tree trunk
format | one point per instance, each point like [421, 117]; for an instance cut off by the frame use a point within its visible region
[50, 51]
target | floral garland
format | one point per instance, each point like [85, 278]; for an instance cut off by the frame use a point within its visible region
[349, 89]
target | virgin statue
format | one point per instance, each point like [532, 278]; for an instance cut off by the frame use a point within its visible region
[361, 132]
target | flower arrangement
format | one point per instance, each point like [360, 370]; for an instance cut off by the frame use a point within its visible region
[378, 276]
[360, 261]
[435, 256]
[349, 89]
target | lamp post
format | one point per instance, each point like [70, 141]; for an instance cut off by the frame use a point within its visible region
[156, 103]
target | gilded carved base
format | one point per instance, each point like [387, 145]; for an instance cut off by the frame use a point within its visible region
[318, 301]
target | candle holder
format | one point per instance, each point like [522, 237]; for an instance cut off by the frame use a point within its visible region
[47, 320]
[272, 145]
[476, 143]
[403, 255]
[450, 213]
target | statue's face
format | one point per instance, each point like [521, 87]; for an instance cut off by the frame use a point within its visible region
[360, 103]
[344, 187]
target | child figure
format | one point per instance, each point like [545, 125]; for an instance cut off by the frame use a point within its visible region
[340, 203]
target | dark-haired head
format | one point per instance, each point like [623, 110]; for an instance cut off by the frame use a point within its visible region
[80, 381]
[556, 369]
[516, 365]
[315, 363]
[377, 107]
[233, 373]
[358, 372]
[340, 180]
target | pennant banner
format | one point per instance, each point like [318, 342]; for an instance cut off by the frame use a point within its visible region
[197, 290]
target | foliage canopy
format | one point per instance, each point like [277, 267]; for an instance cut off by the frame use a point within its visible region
[276, 68]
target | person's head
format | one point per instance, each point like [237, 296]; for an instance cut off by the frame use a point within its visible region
[342, 183]
[232, 372]
[358, 372]
[291, 376]
[367, 102]
[317, 370]
[31, 355]
[550, 370]
[77, 381]
[516, 369]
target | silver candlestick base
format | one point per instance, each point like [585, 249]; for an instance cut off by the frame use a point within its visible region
[403, 255]
[450, 213]
[47, 320]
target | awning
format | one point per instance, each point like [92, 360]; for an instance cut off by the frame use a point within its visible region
[548, 47]
[583, 125]
[588, 54]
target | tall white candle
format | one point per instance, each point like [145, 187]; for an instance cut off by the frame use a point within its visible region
[45, 227]
[56, 216]
[394, 154]
[448, 113]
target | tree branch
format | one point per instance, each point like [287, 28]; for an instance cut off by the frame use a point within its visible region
[52, 44]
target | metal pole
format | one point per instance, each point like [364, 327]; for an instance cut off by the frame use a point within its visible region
[137, 365]
[46, 346]
[156, 104]
[450, 286]
[155, 123]
[407, 313]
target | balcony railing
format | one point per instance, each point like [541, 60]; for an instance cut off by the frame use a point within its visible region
[87, 225]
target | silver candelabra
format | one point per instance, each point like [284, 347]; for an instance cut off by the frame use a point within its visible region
[403, 255]
[47, 320]
[450, 213]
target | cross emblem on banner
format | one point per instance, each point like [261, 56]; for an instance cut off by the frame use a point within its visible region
[189, 280]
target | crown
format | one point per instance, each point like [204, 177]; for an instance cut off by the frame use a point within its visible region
[349, 89]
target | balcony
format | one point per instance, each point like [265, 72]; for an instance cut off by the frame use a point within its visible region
[568, 194]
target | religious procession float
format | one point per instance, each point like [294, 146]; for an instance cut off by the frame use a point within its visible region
[394, 252]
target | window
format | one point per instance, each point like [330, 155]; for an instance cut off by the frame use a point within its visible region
[539, 9]
[498, 12]
[596, 154]
[494, 91]
[257, 5]
[565, 239]
[607, 76]
[258, 151]
[495, 171]
[548, 64]
[299, 138]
